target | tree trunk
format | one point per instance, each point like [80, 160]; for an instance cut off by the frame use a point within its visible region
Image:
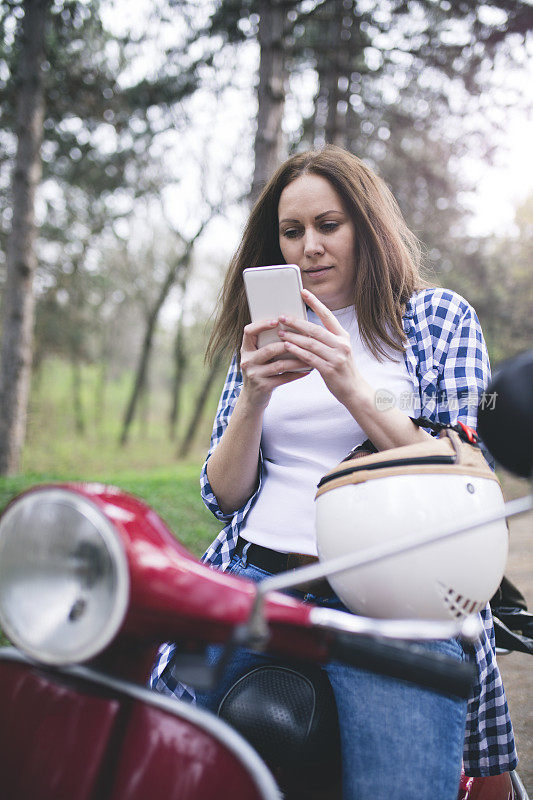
[270, 95]
[180, 366]
[337, 56]
[142, 366]
[18, 303]
[201, 400]
[79, 418]
[338, 75]
[183, 265]
[144, 410]
[140, 377]
[100, 394]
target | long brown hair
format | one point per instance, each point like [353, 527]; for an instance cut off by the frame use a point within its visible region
[387, 253]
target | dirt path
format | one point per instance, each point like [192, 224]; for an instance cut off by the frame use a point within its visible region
[517, 668]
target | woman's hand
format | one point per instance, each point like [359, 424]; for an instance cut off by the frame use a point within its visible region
[233, 467]
[265, 368]
[327, 349]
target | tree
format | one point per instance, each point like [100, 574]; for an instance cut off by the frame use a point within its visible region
[98, 129]
[180, 361]
[17, 329]
[399, 84]
[176, 268]
[268, 147]
[199, 405]
[396, 81]
[500, 285]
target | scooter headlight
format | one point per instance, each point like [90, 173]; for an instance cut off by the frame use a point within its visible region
[64, 580]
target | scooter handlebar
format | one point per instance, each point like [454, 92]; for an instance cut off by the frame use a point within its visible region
[409, 662]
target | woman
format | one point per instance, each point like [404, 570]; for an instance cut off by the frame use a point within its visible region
[373, 324]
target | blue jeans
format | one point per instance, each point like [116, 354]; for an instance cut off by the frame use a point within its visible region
[398, 741]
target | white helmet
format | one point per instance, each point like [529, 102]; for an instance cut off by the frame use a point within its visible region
[433, 486]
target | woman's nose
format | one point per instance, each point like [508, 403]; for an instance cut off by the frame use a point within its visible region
[312, 243]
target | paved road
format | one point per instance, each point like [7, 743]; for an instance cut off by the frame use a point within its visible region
[517, 668]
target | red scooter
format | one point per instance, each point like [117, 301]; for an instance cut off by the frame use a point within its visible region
[91, 580]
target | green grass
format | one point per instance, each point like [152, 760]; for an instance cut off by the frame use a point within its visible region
[146, 466]
[53, 443]
[173, 492]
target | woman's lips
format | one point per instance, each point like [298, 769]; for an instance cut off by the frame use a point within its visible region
[316, 272]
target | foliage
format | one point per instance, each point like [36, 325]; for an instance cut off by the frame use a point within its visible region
[499, 284]
[408, 86]
[104, 134]
[397, 82]
[100, 121]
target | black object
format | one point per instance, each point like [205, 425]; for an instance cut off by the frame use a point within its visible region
[466, 433]
[509, 596]
[274, 561]
[505, 415]
[513, 625]
[508, 636]
[367, 448]
[399, 462]
[289, 715]
[265, 558]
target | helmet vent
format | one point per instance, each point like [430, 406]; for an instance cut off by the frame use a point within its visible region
[457, 604]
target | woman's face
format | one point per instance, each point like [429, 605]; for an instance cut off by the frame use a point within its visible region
[316, 233]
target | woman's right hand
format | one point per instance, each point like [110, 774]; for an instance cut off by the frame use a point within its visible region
[260, 373]
[232, 469]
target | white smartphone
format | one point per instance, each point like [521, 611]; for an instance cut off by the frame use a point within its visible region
[271, 292]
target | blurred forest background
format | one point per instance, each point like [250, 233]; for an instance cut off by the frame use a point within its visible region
[133, 137]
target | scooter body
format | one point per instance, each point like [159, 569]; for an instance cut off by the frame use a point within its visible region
[81, 735]
[81, 732]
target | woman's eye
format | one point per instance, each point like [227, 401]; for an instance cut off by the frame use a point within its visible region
[291, 233]
[328, 227]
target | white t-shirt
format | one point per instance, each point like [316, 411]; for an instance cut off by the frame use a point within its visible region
[306, 432]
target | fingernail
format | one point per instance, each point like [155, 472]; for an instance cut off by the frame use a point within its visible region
[281, 334]
[283, 319]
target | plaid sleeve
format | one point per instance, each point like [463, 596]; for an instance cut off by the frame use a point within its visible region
[461, 358]
[447, 352]
[489, 740]
[228, 398]
[453, 371]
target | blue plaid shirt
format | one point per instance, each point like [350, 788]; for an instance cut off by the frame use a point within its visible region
[447, 361]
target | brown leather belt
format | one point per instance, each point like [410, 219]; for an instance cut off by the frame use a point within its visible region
[274, 562]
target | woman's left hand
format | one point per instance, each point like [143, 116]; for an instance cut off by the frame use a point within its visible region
[327, 349]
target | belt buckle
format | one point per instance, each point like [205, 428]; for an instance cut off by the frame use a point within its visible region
[320, 587]
[295, 560]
